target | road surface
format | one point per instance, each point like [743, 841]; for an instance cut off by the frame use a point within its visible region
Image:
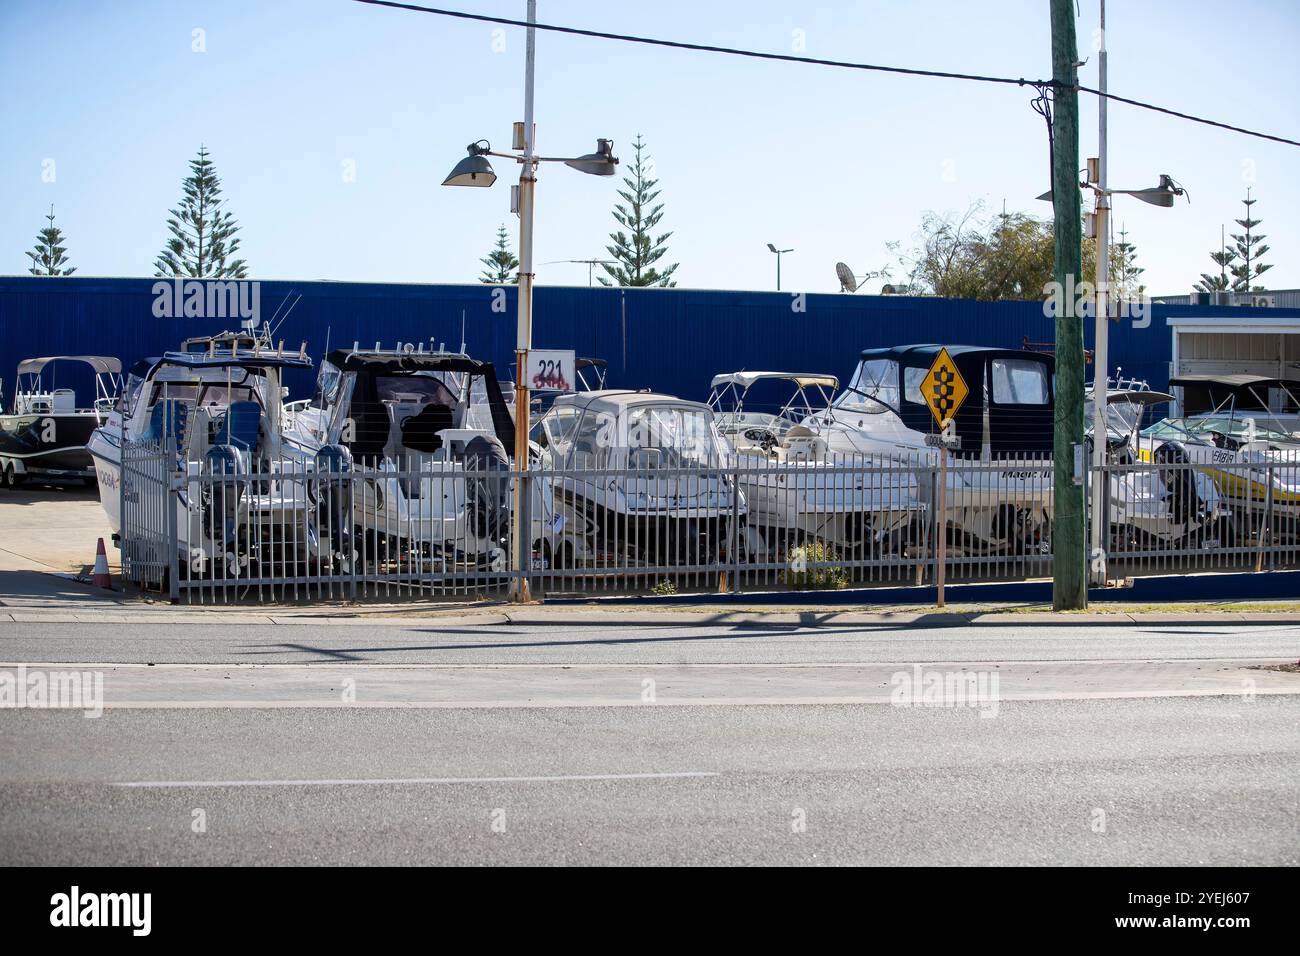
[585, 741]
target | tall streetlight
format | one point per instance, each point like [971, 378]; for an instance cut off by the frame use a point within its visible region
[475, 170]
[1161, 195]
[779, 253]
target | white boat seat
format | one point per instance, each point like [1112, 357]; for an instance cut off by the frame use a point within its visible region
[63, 401]
[803, 444]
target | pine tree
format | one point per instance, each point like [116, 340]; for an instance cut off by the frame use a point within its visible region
[1128, 274]
[48, 256]
[637, 253]
[500, 262]
[1250, 250]
[1224, 259]
[202, 233]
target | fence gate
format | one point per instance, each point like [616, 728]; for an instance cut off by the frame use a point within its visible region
[148, 513]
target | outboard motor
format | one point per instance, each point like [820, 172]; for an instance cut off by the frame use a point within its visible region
[1180, 482]
[219, 505]
[487, 488]
[329, 494]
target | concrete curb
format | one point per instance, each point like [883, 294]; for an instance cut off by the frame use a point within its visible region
[572, 616]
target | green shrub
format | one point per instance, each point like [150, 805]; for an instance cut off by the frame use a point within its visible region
[664, 588]
[803, 576]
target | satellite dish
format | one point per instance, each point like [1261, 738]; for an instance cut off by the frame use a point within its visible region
[848, 282]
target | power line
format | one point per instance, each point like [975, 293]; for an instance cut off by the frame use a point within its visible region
[815, 61]
[700, 47]
[1188, 116]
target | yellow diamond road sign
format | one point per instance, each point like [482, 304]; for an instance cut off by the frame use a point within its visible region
[944, 388]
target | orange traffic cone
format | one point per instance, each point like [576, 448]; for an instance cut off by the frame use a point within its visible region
[101, 578]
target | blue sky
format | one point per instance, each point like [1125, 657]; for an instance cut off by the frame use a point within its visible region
[833, 163]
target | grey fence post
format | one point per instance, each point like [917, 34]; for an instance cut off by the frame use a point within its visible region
[353, 559]
[940, 525]
[735, 530]
[524, 546]
[170, 500]
[1266, 525]
[123, 552]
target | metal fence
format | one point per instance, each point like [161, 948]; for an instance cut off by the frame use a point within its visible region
[309, 528]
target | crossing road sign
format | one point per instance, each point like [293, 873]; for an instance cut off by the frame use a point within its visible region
[944, 388]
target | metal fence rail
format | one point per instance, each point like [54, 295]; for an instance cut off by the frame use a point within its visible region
[299, 528]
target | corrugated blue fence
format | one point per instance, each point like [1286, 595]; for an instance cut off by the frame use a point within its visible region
[673, 340]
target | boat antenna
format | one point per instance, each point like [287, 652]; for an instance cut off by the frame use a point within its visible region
[463, 350]
[292, 306]
[277, 310]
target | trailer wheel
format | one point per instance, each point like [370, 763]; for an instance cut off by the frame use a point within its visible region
[13, 479]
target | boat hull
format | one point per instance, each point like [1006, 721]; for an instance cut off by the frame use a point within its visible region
[53, 445]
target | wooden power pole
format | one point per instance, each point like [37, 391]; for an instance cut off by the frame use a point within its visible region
[1069, 532]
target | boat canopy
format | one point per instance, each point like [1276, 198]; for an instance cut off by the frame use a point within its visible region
[802, 379]
[263, 359]
[1235, 381]
[1140, 396]
[916, 355]
[396, 363]
[1009, 408]
[408, 363]
[1207, 392]
[102, 364]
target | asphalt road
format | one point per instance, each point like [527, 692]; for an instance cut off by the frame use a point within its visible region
[584, 639]
[500, 744]
[1165, 781]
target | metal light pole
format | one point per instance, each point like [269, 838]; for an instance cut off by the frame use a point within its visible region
[1163, 194]
[524, 330]
[475, 170]
[779, 253]
[1100, 367]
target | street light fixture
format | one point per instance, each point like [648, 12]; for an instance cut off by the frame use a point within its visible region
[1162, 195]
[475, 170]
[779, 254]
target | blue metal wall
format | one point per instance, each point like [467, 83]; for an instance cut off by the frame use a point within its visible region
[673, 340]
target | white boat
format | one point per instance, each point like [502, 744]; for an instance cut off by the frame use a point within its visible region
[430, 432]
[795, 487]
[1243, 445]
[998, 493]
[44, 432]
[638, 475]
[214, 417]
[1154, 499]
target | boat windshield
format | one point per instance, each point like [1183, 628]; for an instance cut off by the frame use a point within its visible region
[873, 389]
[1237, 429]
[1122, 418]
[668, 437]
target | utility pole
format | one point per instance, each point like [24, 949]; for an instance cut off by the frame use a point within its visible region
[1069, 537]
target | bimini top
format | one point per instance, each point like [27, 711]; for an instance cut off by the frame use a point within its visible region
[1235, 381]
[927, 353]
[351, 360]
[263, 359]
[623, 399]
[802, 379]
[102, 364]
[581, 363]
[1136, 396]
